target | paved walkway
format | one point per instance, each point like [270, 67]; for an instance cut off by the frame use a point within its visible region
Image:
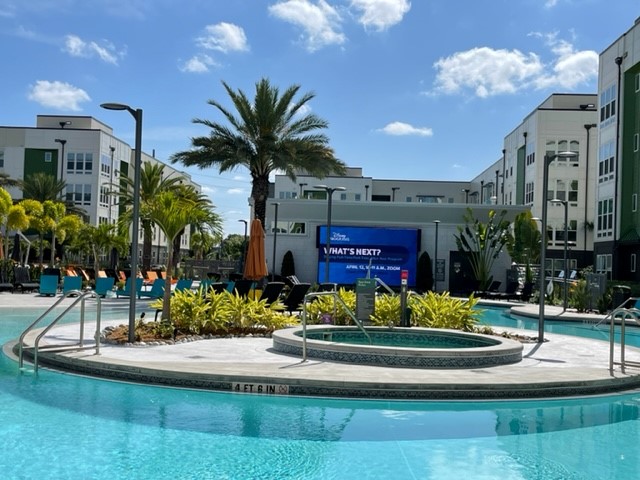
[562, 365]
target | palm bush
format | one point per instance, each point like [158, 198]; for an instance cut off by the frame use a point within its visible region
[326, 308]
[434, 310]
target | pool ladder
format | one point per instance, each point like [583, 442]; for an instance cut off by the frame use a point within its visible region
[82, 296]
[336, 297]
[623, 314]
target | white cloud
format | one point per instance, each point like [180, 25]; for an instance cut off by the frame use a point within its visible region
[550, 3]
[380, 14]
[198, 64]
[319, 21]
[489, 72]
[224, 37]
[235, 191]
[58, 95]
[76, 47]
[401, 128]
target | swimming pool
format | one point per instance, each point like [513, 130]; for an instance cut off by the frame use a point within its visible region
[65, 426]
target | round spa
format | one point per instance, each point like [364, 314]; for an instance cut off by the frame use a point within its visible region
[399, 347]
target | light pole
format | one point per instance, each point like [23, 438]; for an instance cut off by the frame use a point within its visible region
[64, 124]
[244, 243]
[113, 149]
[62, 142]
[275, 239]
[565, 204]
[327, 254]
[301, 187]
[543, 229]
[466, 194]
[587, 127]
[496, 187]
[135, 214]
[435, 260]
[393, 193]
[366, 193]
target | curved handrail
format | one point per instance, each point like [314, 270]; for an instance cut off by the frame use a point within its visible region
[81, 297]
[304, 318]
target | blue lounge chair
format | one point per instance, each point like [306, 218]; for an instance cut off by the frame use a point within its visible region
[103, 285]
[183, 284]
[157, 290]
[70, 283]
[48, 285]
[126, 291]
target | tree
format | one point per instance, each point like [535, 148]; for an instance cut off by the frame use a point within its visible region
[270, 133]
[42, 187]
[99, 240]
[202, 244]
[172, 213]
[12, 217]
[524, 246]
[7, 181]
[61, 224]
[483, 242]
[288, 267]
[424, 273]
[152, 182]
[38, 221]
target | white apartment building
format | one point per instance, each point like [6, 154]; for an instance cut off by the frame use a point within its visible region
[83, 152]
[617, 226]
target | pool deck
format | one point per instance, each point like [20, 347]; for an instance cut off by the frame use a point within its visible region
[561, 366]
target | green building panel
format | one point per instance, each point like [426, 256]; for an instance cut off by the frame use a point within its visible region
[630, 158]
[520, 179]
[38, 160]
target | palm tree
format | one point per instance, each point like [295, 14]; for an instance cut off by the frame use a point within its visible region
[270, 133]
[12, 217]
[42, 187]
[7, 181]
[152, 182]
[99, 240]
[172, 212]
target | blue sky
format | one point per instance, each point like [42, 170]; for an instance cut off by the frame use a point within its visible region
[422, 89]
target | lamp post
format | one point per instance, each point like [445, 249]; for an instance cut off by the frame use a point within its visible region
[244, 244]
[543, 229]
[275, 239]
[62, 142]
[498, 175]
[327, 254]
[64, 124]
[466, 194]
[435, 260]
[366, 193]
[565, 204]
[113, 149]
[587, 127]
[135, 214]
[301, 186]
[393, 193]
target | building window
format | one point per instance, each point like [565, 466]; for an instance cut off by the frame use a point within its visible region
[343, 196]
[429, 199]
[632, 267]
[528, 193]
[290, 228]
[608, 103]
[287, 195]
[605, 218]
[603, 263]
[47, 157]
[606, 162]
[636, 142]
[79, 194]
[634, 202]
[637, 82]
[104, 196]
[80, 163]
[105, 166]
[358, 197]
[1, 158]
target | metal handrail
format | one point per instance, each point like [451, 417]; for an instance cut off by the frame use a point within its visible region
[619, 309]
[304, 318]
[627, 313]
[81, 297]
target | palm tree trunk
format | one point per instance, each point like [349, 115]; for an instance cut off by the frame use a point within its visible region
[147, 242]
[259, 193]
[166, 300]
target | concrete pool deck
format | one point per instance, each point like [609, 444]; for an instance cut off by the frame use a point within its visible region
[561, 366]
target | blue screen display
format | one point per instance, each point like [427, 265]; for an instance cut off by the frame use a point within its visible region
[354, 250]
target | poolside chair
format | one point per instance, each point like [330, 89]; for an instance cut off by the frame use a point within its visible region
[5, 284]
[71, 283]
[128, 288]
[243, 287]
[22, 280]
[204, 286]
[48, 285]
[327, 287]
[296, 296]
[150, 276]
[218, 287]
[157, 290]
[104, 285]
[271, 292]
[183, 284]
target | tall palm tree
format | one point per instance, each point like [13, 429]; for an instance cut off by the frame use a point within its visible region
[7, 181]
[270, 133]
[41, 186]
[12, 217]
[152, 182]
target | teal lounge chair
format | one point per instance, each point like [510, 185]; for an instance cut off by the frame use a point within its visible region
[204, 286]
[126, 291]
[70, 283]
[103, 285]
[48, 285]
[183, 284]
[157, 290]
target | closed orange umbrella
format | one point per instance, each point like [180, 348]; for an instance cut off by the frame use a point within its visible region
[255, 267]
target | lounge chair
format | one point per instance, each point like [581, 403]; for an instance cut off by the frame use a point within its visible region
[183, 284]
[218, 287]
[104, 285]
[271, 292]
[48, 285]
[243, 287]
[128, 288]
[327, 287]
[296, 296]
[204, 286]
[150, 276]
[5, 284]
[22, 280]
[71, 283]
[157, 290]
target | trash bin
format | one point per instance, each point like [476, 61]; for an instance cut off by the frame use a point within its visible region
[620, 294]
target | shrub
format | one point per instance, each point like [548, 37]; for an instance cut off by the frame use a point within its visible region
[323, 307]
[434, 310]
[288, 267]
[579, 295]
[387, 310]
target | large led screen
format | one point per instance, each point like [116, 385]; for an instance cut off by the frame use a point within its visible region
[355, 250]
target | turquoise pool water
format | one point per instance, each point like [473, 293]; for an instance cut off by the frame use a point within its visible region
[63, 426]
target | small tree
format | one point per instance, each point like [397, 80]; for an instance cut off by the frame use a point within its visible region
[288, 266]
[424, 273]
[483, 242]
